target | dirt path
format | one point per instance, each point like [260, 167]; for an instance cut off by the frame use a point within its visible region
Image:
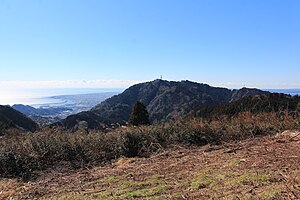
[260, 168]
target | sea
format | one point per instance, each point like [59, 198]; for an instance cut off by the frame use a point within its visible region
[47, 97]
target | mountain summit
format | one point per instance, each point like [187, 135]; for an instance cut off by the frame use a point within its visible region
[163, 99]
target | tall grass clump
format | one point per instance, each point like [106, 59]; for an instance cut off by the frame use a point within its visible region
[25, 155]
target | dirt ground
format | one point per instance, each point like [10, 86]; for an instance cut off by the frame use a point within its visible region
[258, 168]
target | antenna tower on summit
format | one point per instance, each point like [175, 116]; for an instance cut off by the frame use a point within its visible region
[160, 77]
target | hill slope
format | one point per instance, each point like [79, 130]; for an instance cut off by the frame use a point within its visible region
[258, 168]
[29, 110]
[273, 102]
[163, 99]
[10, 118]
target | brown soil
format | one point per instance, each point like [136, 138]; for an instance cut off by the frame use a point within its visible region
[258, 168]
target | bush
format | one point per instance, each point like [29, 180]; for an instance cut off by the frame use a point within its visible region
[25, 155]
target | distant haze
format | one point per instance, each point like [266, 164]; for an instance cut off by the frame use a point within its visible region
[41, 96]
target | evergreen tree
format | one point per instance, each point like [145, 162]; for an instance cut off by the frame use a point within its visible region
[139, 115]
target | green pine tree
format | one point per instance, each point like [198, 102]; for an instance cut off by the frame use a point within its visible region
[139, 115]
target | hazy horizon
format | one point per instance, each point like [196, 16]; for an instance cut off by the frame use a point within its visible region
[44, 95]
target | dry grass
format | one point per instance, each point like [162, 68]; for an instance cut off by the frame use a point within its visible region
[26, 156]
[260, 168]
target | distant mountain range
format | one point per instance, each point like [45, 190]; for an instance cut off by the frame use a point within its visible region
[29, 110]
[10, 118]
[46, 114]
[42, 116]
[164, 100]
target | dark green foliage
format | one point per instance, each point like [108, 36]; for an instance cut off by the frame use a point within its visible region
[139, 115]
[8, 165]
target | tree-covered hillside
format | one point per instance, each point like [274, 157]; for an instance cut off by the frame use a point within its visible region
[163, 99]
[10, 118]
[273, 102]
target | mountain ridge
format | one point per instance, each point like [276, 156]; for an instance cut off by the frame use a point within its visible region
[11, 118]
[272, 102]
[164, 100]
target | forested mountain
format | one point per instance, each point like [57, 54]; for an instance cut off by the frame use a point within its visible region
[163, 100]
[273, 102]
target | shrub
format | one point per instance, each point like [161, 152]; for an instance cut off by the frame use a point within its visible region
[25, 155]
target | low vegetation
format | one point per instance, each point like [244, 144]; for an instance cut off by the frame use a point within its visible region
[264, 167]
[26, 155]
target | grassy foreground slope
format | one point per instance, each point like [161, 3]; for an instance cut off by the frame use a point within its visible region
[261, 168]
[27, 155]
[238, 157]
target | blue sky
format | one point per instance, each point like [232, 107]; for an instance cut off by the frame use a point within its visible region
[232, 43]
